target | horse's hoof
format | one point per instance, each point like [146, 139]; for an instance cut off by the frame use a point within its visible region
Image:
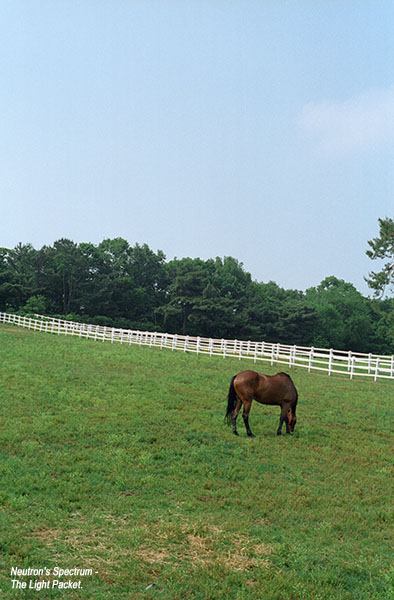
[278, 433]
[251, 435]
[235, 433]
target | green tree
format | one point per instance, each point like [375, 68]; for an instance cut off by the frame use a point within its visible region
[128, 283]
[207, 298]
[296, 321]
[64, 271]
[382, 318]
[222, 311]
[189, 277]
[95, 289]
[17, 275]
[343, 316]
[150, 283]
[264, 302]
[279, 315]
[6, 278]
[382, 247]
[35, 305]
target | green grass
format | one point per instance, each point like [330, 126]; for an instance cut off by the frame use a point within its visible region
[117, 459]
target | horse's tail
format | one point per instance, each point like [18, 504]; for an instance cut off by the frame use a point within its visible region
[231, 401]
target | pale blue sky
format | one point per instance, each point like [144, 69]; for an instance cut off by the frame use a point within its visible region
[258, 129]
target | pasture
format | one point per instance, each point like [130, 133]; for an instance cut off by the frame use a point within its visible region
[117, 459]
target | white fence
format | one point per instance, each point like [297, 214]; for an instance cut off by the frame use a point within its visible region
[331, 361]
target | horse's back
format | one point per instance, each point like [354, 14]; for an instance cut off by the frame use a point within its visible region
[246, 383]
[266, 389]
[248, 376]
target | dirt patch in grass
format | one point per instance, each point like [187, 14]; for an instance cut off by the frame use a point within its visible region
[155, 556]
[47, 536]
[204, 546]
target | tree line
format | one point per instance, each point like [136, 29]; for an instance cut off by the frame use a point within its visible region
[116, 284]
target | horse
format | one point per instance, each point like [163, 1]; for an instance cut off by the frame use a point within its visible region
[276, 390]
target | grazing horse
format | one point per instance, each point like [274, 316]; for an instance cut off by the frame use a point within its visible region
[276, 390]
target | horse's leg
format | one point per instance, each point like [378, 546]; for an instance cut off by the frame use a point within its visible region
[235, 415]
[284, 419]
[245, 415]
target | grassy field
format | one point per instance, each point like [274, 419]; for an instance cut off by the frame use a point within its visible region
[117, 459]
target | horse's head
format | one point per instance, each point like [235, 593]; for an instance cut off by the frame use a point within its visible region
[291, 415]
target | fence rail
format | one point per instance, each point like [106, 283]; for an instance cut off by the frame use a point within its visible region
[352, 364]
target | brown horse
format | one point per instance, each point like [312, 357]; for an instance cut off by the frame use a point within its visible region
[276, 390]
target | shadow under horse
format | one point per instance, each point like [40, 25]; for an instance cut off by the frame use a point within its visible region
[276, 390]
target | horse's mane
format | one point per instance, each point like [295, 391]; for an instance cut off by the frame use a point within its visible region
[287, 375]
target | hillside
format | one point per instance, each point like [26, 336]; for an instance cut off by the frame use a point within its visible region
[117, 459]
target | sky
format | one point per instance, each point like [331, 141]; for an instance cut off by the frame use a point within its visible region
[262, 130]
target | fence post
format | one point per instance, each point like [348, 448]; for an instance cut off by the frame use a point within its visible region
[330, 361]
[352, 367]
[311, 353]
[376, 370]
[293, 354]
